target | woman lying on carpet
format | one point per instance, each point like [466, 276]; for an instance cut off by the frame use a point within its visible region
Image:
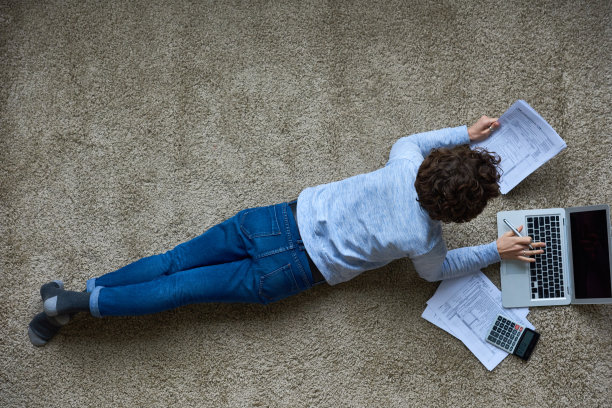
[260, 255]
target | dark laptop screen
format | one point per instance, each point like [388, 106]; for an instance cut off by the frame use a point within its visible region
[591, 260]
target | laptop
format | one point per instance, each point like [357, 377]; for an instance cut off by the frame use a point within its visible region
[575, 266]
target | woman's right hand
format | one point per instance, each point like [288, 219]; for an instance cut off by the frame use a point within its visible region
[510, 247]
[482, 129]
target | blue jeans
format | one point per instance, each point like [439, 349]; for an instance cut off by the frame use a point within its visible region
[256, 256]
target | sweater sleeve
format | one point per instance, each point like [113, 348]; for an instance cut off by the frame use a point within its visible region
[438, 264]
[423, 143]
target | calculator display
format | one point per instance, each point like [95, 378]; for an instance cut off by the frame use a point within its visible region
[526, 344]
[522, 346]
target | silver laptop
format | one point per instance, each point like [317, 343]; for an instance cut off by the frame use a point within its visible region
[575, 266]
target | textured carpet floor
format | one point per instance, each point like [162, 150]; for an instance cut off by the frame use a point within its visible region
[129, 127]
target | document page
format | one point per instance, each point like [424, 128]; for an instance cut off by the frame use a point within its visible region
[524, 141]
[466, 308]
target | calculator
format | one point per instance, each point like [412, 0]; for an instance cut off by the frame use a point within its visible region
[510, 336]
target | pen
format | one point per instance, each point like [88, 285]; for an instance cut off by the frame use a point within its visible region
[518, 234]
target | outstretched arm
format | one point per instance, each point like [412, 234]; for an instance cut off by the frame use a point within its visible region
[439, 264]
[423, 143]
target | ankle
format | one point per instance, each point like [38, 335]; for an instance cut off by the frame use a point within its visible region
[66, 302]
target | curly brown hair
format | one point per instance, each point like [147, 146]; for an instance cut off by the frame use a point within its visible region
[454, 185]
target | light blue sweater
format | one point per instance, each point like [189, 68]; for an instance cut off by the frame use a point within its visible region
[366, 221]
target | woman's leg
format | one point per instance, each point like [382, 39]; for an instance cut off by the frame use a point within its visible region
[229, 282]
[220, 244]
[274, 267]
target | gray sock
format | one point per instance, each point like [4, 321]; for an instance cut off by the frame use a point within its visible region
[66, 302]
[50, 289]
[42, 328]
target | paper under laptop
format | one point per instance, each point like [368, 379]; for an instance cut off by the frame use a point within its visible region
[524, 141]
[584, 254]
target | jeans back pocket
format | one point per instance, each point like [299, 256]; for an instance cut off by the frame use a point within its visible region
[278, 285]
[259, 222]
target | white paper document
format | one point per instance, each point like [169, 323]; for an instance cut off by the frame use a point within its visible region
[466, 307]
[524, 141]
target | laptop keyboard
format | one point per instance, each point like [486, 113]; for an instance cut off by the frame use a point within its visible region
[547, 271]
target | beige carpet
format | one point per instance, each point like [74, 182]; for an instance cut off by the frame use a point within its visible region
[129, 127]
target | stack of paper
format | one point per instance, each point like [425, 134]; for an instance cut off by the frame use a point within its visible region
[524, 141]
[466, 308]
